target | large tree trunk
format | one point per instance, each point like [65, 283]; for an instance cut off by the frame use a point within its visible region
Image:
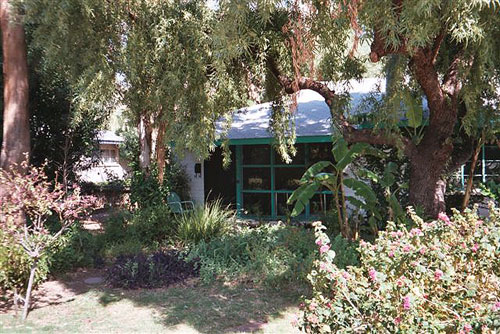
[427, 167]
[16, 135]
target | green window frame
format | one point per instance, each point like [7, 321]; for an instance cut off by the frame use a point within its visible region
[272, 191]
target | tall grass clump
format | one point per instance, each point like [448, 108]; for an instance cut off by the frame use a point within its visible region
[206, 222]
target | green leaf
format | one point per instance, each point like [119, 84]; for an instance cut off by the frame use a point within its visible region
[302, 195]
[395, 206]
[414, 111]
[340, 148]
[361, 189]
[350, 155]
[315, 169]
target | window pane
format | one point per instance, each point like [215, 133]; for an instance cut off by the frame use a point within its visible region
[492, 168]
[288, 178]
[256, 154]
[320, 152]
[282, 208]
[491, 153]
[298, 159]
[320, 203]
[477, 170]
[256, 178]
[257, 204]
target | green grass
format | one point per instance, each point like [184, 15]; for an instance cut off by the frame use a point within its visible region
[194, 309]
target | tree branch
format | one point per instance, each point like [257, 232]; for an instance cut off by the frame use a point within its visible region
[293, 86]
[353, 135]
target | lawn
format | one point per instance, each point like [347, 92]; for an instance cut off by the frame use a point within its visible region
[188, 308]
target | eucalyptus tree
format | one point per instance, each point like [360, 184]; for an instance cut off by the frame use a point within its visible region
[447, 52]
[16, 135]
[153, 57]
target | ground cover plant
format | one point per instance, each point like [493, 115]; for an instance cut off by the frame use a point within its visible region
[438, 276]
[158, 269]
[269, 255]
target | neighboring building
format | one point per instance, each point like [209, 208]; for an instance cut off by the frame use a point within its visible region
[258, 182]
[109, 166]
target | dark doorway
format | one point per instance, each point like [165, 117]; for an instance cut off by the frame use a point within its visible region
[219, 181]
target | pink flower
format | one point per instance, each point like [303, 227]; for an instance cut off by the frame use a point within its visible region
[397, 321]
[319, 242]
[346, 275]
[496, 306]
[422, 250]
[416, 231]
[324, 249]
[438, 274]
[322, 266]
[313, 318]
[407, 248]
[373, 274]
[391, 254]
[442, 216]
[312, 306]
[467, 328]
[399, 233]
[406, 303]
[475, 247]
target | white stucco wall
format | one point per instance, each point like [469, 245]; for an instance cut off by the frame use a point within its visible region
[196, 184]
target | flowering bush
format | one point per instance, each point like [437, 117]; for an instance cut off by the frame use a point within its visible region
[437, 277]
[27, 202]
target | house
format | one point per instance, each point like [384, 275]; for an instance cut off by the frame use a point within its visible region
[109, 167]
[258, 182]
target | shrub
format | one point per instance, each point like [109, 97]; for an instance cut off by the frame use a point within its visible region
[205, 223]
[271, 255]
[76, 248]
[15, 266]
[152, 224]
[438, 277]
[149, 271]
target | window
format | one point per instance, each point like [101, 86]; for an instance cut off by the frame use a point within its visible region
[109, 156]
[266, 181]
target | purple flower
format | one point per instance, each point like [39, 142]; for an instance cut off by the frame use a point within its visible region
[406, 303]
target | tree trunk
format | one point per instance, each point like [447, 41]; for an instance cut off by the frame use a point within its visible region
[30, 287]
[16, 134]
[145, 141]
[470, 180]
[427, 187]
[160, 151]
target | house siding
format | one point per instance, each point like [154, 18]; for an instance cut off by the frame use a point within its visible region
[196, 184]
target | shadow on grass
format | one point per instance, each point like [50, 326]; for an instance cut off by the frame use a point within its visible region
[217, 308]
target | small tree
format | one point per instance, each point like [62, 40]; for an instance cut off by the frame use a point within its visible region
[32, 196]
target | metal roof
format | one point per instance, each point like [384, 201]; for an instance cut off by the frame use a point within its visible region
[109, 137]
[312, 116]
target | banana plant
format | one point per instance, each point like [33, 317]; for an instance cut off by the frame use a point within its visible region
[388, 182]
[331, 176]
